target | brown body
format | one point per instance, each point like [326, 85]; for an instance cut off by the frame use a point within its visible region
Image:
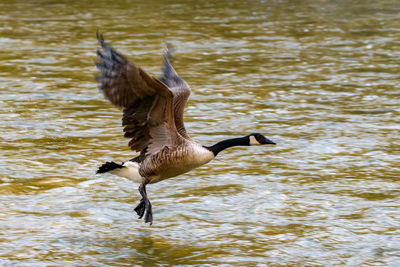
[171, 162]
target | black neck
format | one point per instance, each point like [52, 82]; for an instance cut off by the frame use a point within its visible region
[218, 147]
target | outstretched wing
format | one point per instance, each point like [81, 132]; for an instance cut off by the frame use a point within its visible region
[147, 103]
[180, 90]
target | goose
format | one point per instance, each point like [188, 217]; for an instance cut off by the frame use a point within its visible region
[152, 118]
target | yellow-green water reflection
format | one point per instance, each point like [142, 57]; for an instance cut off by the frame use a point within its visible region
[321, 78]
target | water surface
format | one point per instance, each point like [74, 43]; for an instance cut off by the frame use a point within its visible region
[320, 78]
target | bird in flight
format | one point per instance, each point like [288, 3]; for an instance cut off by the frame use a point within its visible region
[153, 120]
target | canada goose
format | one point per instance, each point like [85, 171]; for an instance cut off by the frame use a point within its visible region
[153, 119]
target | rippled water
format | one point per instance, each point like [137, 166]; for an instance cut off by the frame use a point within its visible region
[320, 78]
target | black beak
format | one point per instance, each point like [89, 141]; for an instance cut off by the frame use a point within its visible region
[268, 142]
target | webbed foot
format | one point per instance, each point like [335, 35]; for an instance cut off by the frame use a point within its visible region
[144, 206]
[140, 208]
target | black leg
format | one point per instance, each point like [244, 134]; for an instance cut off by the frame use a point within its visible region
[144, 207]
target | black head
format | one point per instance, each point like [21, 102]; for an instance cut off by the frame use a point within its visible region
[259, 139]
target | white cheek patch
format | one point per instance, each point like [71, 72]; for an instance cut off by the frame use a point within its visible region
[253, 141]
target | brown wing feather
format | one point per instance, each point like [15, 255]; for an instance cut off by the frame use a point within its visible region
[180, 90]
[147, 103]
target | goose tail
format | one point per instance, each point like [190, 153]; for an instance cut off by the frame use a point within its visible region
[109, 166]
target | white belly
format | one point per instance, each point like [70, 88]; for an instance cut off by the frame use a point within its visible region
[130, 171]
